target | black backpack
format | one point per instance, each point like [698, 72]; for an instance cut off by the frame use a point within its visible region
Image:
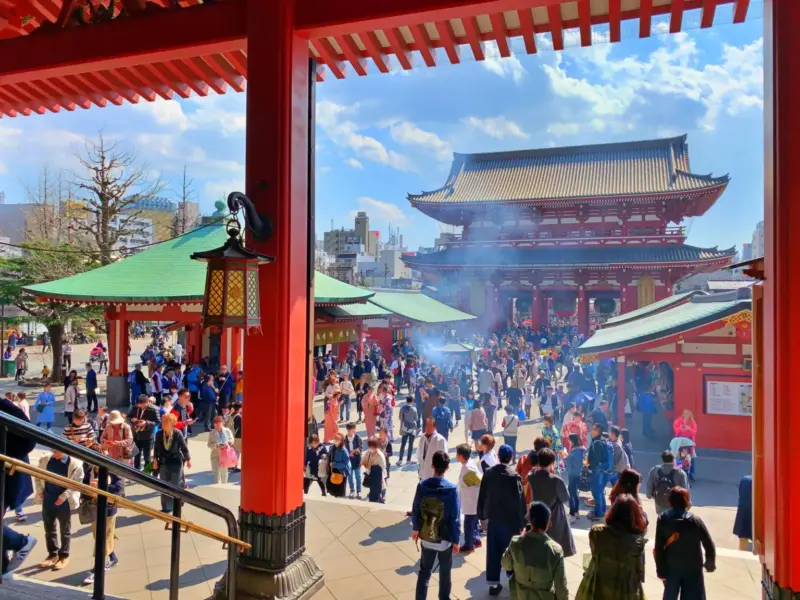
[664, 483]
[432, 522]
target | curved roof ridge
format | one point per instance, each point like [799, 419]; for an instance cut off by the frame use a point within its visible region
[575, 149]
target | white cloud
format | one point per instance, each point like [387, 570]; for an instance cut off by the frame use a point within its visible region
[382, 211]
[407, 133]
[504, 67]
[168, 113]
[611, 87]
[353, 162]
[225, 114]
[334, 120]
[496, 127]
[219, 189]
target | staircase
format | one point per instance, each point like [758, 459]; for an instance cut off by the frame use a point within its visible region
[22, 588]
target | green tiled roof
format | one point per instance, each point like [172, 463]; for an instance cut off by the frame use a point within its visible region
[416, 306]
[679, 319]
[592, 171]
[368, 310]
[142, 277]
[566, 256]
[649, 309]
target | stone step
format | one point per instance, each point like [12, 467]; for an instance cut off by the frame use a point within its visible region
[24, 588]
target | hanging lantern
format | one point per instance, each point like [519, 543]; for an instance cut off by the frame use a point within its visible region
[564, 306]
[232, 294]
[604, 306]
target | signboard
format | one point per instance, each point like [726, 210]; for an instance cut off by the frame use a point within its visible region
[335, 335]
[729, 398]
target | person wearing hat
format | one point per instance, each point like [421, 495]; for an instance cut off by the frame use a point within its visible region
[117, 438]
[501, 501]
[535, 562]
[144, 419]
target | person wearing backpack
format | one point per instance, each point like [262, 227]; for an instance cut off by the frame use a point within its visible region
[600, 457]
[621, 461]
[408, 428]
[436, 523]
[444, 418]
[662, 478]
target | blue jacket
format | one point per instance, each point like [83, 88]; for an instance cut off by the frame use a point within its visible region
[647, 403]
[193, 379]
[574, 461]
[207, 394]
[45, 406]
[91, 380]
[340, 460]
[226, 387]
[448, 493]
[444, 420]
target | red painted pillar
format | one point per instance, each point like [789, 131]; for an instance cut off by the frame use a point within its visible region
[536, 309]
[360, 341]
[193, 344]
[621, 390]
[780, 546]
[272, 513]
[118, 340]
[583, 311]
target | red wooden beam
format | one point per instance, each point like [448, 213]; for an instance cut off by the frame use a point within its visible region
[740, 10]
[67, 89]
[146, 91]
[104, 81]
[223, 69]
[329, 56]
[556, 30]
[676, 16]
[423, 44]
[178, 72]
[157, 74]
[449, 41]
[199, 67]
[398, 46]
[585, 19]
[171, 34]
[318, 18]
[527, 30]
[352, 53]
[645, 18]
[375, 50]
[500, 33]
[473, 37]
[709, 8]
[615, 20]
[239, 61]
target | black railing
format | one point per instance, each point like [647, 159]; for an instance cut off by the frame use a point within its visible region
[107, 465]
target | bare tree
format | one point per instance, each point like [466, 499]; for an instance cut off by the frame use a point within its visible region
[47, 219]
[110, 186]
[183, 220]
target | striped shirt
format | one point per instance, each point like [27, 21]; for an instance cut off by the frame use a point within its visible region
[80, 434]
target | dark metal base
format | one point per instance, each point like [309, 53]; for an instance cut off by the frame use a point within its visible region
[300, 580]
[276, 567]
[772, 591]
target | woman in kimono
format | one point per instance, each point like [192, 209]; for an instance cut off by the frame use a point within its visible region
[387, 413]
[332, 416]
[371, 406]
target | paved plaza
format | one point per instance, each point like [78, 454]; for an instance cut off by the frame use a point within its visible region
[365, 549]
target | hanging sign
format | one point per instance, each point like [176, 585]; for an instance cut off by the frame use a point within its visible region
[335, 335]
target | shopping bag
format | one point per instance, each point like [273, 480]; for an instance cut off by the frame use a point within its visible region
[228, 457]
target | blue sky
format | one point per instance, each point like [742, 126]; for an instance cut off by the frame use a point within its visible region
[383, 136]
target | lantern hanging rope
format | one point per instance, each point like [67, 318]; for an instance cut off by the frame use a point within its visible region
[232, 288]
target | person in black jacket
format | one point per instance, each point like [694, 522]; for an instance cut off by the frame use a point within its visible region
[680, 535]
[171, 453]
[114, 487]
[18, 487]
[143, 418]
[501, 501]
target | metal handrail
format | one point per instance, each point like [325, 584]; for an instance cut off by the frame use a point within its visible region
[13, 465]
[108, 465]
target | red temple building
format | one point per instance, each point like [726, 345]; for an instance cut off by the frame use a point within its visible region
[568, 231]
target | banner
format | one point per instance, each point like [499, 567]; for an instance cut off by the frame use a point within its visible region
[729, 398]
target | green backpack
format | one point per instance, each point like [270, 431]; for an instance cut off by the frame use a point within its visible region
[431, 527]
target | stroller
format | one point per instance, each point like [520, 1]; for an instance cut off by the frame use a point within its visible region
[682, 449]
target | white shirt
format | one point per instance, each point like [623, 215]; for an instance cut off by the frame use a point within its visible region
[177, 349]
[428, 446]
[510, 425]
[469, 494]
[485, 379]
[347, 388]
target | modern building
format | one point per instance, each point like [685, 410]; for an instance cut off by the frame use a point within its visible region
[337, 241]
[747, 251]
[758, 240]
[139, 232]
[565, 230]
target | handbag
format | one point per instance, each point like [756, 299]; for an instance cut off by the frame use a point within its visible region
[336, 478]
[228, 457]
[87, 512]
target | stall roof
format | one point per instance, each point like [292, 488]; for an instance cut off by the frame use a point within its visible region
[135, 279]
[454, 348]
[416, 306]
[680, 319]
[368, 310]
[650, 309]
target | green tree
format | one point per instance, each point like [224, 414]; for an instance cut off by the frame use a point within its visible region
[39, 266]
